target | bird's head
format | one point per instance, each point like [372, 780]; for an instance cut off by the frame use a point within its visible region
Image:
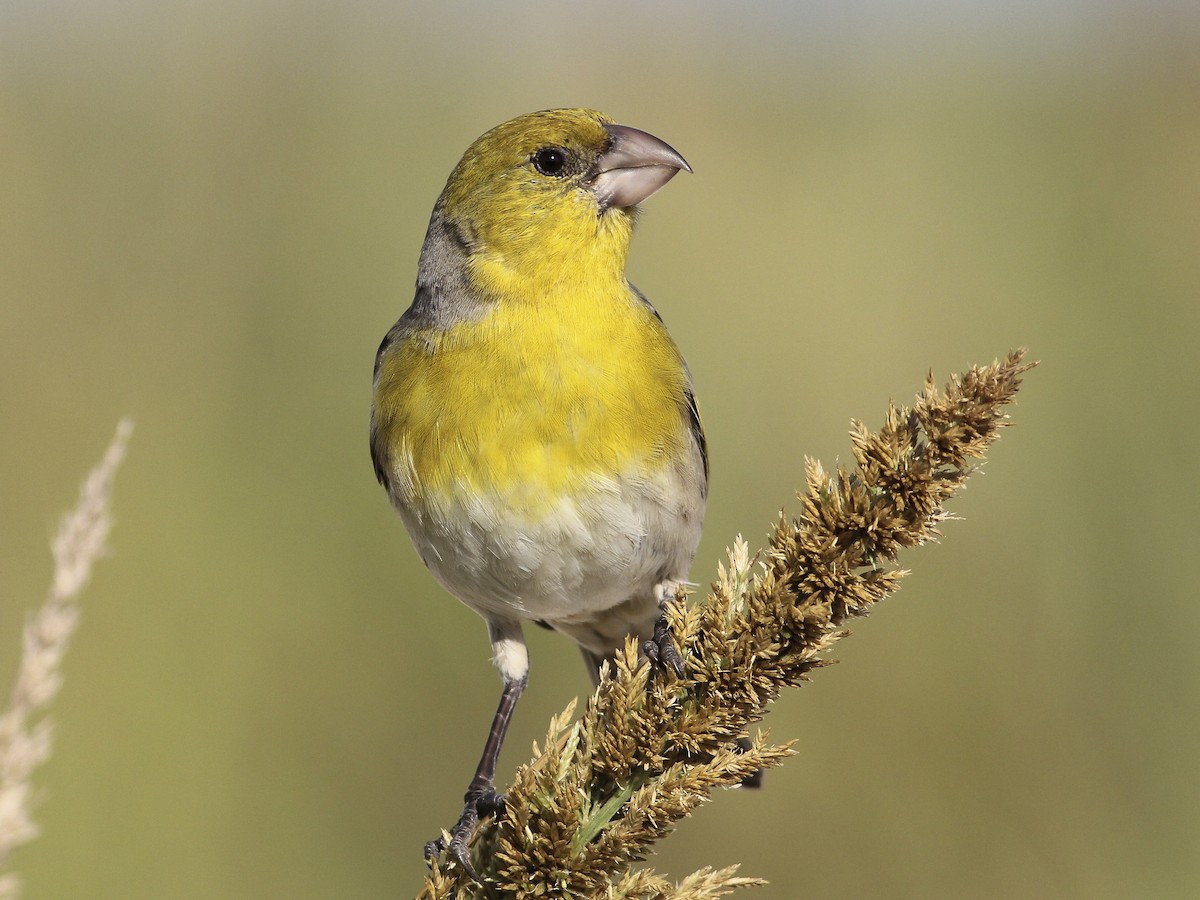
[549, 198]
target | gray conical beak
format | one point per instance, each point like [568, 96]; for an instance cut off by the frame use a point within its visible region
[634, 166]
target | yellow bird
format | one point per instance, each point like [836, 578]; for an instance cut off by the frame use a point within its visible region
[532, 420]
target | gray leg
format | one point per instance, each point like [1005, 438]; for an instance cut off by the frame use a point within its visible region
[481, 799]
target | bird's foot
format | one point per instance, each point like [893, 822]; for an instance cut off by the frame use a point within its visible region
[480, 803]
[661, 648]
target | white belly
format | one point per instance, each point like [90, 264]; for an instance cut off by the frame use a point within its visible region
[594, 566]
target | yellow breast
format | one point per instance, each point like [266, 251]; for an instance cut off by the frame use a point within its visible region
[529, 402]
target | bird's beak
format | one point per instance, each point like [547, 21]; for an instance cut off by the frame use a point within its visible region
[634, 166]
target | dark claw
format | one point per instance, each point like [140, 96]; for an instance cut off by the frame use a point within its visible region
[661, 649]
[434, 847]
[479, 804]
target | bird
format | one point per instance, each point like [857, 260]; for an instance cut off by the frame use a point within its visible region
[532, 421]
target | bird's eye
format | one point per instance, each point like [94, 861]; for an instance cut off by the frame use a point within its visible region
[550, 161]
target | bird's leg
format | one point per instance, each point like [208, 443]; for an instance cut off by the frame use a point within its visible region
[481, 799]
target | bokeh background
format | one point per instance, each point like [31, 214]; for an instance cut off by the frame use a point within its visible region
[210, 212]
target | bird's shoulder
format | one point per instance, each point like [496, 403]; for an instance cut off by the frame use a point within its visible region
[443, 294]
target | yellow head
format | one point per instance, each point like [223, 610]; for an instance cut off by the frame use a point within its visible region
[549, 197]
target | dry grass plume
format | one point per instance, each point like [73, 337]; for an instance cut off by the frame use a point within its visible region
[25, 732]
[650, 748]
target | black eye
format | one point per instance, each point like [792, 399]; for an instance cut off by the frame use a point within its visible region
[550, 161]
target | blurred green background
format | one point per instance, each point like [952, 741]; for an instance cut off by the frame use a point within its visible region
[210, 212]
